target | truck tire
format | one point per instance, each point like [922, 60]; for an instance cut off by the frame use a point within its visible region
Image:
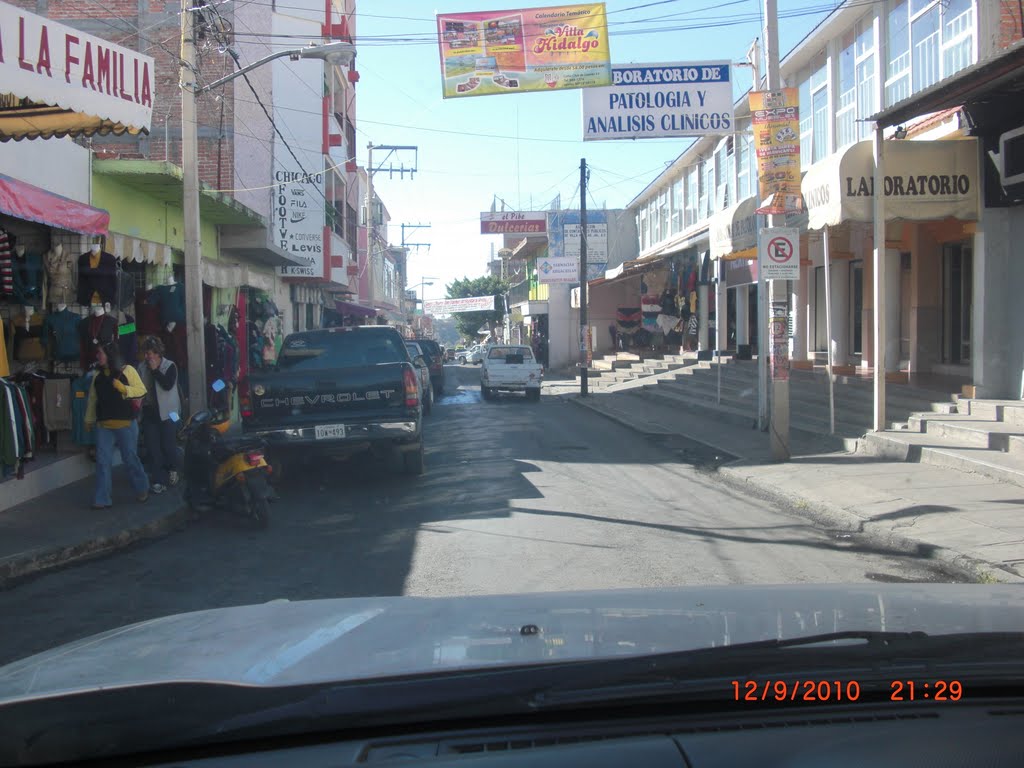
[533, 394]
[413, 464]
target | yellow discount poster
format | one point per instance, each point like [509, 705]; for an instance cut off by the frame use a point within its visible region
[776, 119]
[532, 49]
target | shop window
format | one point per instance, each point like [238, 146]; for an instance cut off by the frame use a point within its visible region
[846, 107]
[692, 197]
[664, 213]
[744, 172]
[678, 203]
[927, 40]
[806, 119]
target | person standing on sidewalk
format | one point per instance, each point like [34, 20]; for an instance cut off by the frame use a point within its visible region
[112, 413]
[161, 410]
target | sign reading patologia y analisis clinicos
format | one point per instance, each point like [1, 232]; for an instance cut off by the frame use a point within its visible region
[655, 101]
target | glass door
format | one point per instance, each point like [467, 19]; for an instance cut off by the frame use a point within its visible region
[857, 306]
[957, 302]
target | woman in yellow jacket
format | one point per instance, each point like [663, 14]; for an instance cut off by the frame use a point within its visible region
[111, 410]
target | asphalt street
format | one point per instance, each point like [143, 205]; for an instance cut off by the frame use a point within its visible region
[518, 497]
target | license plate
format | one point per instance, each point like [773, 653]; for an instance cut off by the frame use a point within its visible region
[330, 431]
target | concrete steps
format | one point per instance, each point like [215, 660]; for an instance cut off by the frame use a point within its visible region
[981, 436]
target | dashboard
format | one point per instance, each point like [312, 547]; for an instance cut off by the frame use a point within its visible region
[882, 736]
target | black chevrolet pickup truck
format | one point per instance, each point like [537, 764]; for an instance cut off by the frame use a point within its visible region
[337, 392]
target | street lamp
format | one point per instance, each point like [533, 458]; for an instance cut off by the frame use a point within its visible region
[423, 283]
[339, 53]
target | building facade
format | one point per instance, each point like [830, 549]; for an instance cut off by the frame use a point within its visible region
[861, 60]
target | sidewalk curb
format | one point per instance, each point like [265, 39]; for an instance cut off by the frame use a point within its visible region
[833, 516]
[42, 561]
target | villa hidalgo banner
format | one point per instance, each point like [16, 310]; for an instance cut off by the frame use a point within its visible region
[776, 119]
[533, 49]
[451, 306]
[655, 101]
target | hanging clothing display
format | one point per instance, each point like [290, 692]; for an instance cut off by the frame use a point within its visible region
[60, 335]
[79, 404]
[92, 332]
[97, 278]
[6, 264]
[273, 338]
[170, 301]
[5, 367]
[29, 341]
[125, 288]
[28, 277]
[59, 266]
[127, 339]
[17, 435]
[57, 403]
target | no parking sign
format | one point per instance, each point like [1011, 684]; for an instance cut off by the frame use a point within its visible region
[778, 253]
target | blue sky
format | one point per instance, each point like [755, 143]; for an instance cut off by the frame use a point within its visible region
[523, 148]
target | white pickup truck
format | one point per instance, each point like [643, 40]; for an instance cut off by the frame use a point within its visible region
[510, 368]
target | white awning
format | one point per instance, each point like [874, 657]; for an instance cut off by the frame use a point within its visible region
[221, 274]
[734, 231]
[56, 80]
[142, 251]
[924, 181]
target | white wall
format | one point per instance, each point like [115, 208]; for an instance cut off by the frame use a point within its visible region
[563, 349]
[998, 345]
[254, 134]
[56, 165]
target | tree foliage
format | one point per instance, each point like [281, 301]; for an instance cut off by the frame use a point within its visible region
[469, 323]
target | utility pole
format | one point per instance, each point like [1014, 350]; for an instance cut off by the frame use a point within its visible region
[193, 247]
[778, 419]
[584, 367]
[369, 220]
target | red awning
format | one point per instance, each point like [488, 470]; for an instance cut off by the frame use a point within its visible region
[25, 201]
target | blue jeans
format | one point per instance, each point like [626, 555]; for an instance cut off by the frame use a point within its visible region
[126, 439]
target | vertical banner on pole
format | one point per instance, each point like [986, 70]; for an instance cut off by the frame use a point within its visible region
[778, 333]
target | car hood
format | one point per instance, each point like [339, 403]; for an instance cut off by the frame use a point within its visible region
[286, 643]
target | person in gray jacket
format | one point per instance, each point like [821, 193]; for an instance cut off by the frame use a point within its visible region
[161, 413]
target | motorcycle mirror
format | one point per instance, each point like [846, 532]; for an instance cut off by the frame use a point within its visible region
[218, 386]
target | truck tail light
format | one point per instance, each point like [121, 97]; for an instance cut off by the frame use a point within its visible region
[244, 399]
[412, 389]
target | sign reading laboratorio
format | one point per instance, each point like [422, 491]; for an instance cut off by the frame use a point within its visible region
[451, 306]
[514, 223]
[298, 212]
[532, 49]
[53, 64]
[778, 253]
[656, 101]
[776, 119]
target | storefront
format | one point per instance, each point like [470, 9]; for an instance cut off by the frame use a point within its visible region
[646, 305]
[931, 203]
[47, 280]
[982, 273]
[734, 250]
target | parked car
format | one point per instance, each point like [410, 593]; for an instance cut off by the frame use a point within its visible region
[423, 372]
[432, 352]
[510, 368]
[338, 392]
